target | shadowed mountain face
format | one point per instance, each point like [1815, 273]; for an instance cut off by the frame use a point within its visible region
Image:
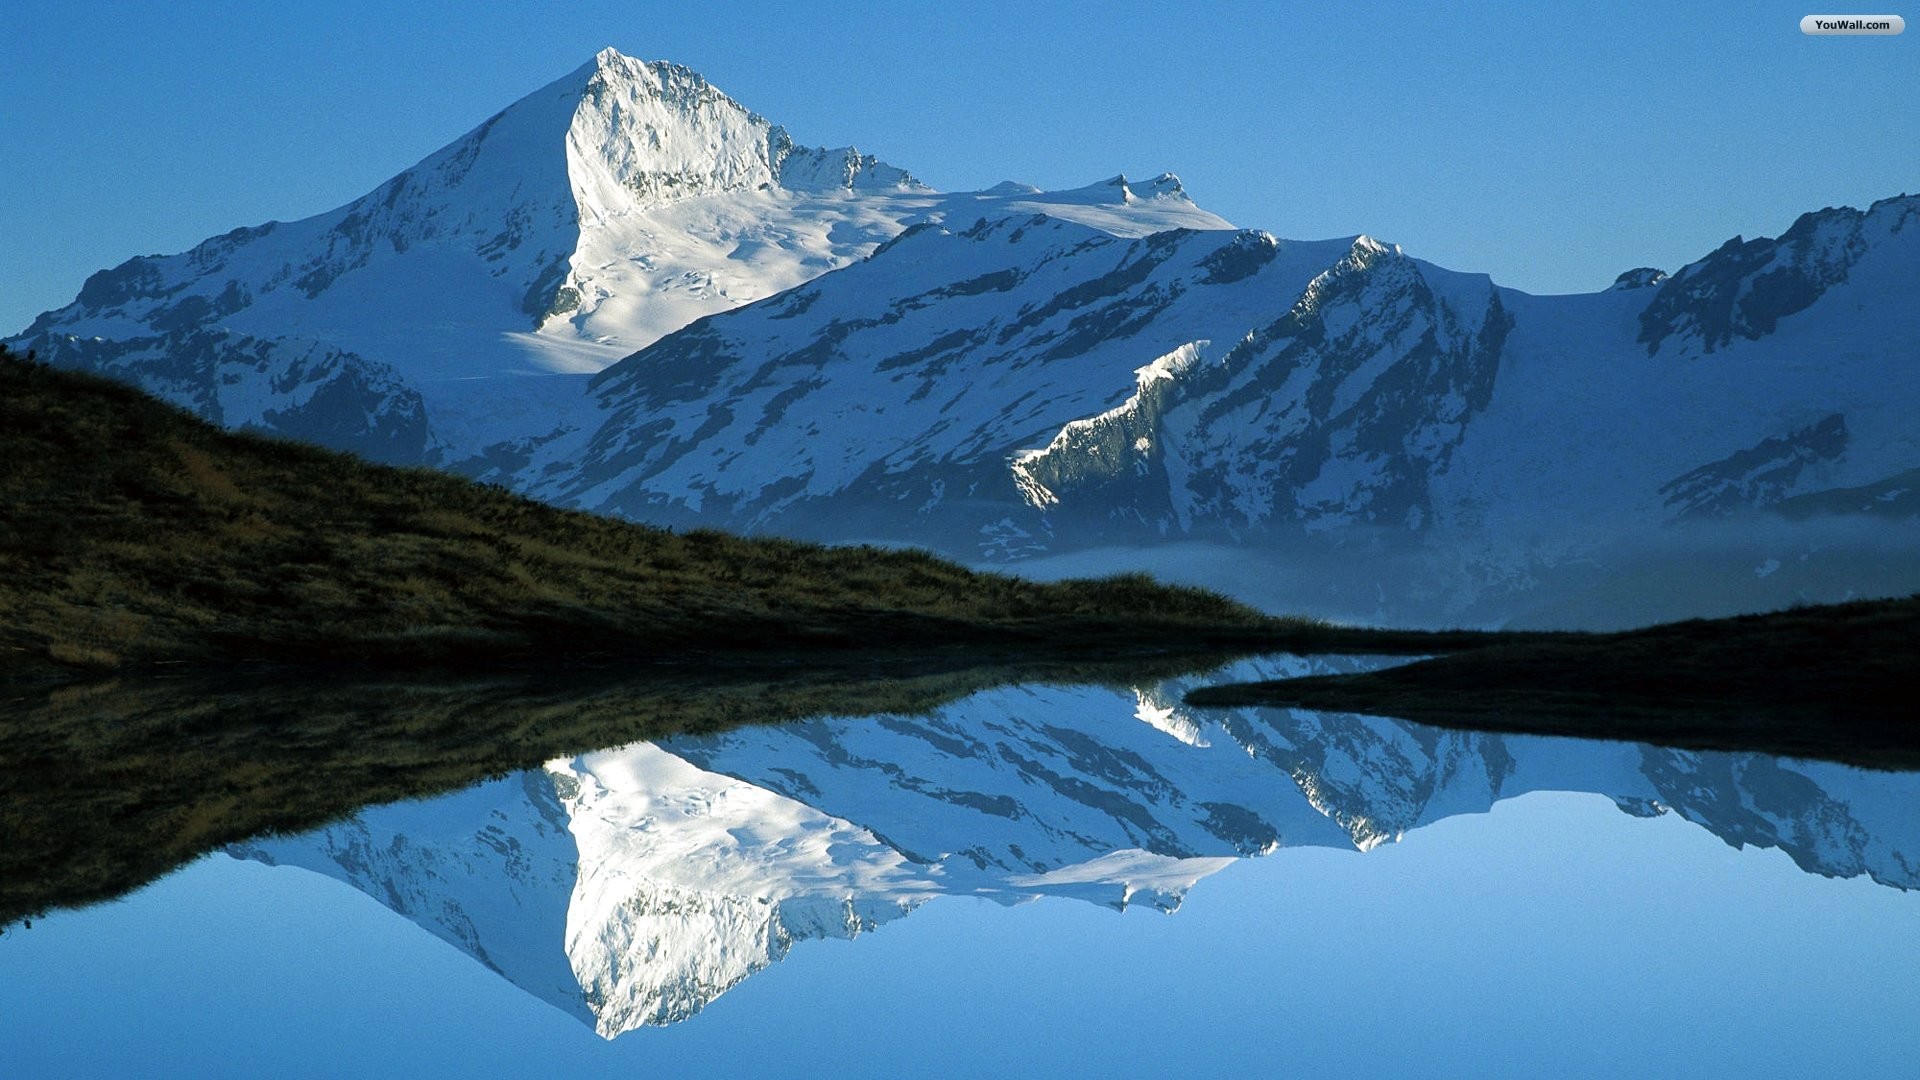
[633, 886]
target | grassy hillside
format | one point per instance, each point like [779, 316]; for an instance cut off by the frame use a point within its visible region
[136, 535]
[1835, 682]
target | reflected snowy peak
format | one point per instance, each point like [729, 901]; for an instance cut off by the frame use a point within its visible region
[634, 886]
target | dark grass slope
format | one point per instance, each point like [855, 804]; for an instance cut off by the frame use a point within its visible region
[1837, 682]
[135, 534]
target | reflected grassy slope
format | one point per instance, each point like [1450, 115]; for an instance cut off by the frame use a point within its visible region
[1837, 682]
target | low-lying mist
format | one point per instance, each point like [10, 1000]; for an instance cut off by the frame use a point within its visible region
[1691, 570]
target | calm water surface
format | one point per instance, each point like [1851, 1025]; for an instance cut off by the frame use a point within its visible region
[1082, 880]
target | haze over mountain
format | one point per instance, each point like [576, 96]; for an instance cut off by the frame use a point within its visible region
[816, 344]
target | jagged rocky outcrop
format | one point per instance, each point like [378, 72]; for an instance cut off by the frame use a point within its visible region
[1639, 278]
[1337, 413]
[633, 886]
[1746, 287]
[1760, 476]
[1897, 497]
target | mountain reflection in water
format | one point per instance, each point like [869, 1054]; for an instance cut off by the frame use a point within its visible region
[633, 886]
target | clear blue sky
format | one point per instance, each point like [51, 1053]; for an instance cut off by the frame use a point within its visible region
[1549, 148]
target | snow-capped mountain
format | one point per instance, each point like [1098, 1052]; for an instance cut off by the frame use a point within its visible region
[1022, 367]
[1025, 385]
[634, 886]
[816, 344]
[586, 220]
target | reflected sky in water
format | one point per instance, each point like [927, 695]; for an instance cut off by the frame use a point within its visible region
[1522, 906]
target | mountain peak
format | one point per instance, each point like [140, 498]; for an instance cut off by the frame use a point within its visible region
[1367, 248]
[1166, 186]
[612, 206]
[1116, 190]
[1638, 278]
[658, 132]
[675, 83]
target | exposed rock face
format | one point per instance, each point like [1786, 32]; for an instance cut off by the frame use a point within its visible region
[1760, 476]
[1745, 288]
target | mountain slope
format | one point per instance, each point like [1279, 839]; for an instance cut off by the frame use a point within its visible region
[1024, 386]
[910, 382]
[598, 213]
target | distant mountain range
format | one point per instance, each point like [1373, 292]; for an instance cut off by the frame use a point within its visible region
[628, 293]
[634, 886]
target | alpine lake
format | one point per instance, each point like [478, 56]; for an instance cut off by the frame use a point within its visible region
[1052, 877]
